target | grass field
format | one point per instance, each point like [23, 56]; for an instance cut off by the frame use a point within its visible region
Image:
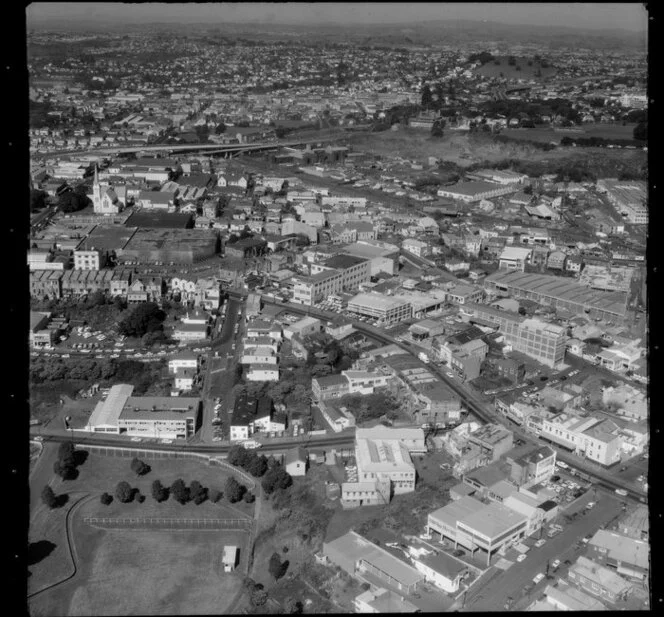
[510, 72]
[102, 473]
[48, 526]
[547, 134]
[145, 573]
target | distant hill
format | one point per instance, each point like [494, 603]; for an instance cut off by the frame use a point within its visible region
[420, 33]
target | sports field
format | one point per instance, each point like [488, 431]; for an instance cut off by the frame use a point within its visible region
[147, 573]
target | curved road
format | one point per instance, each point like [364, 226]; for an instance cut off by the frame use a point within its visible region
[478, 407]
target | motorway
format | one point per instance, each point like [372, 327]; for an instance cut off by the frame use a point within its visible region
[262, 145]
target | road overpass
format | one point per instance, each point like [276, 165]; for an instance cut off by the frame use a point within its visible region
[213, 148]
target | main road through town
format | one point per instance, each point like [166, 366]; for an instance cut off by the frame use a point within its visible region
[221, 388]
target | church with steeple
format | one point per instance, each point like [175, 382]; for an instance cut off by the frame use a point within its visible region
[106, 199]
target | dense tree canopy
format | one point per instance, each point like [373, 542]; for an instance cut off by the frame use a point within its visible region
[146, 317]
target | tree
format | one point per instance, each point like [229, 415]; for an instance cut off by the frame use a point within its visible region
[528, 189]
[147, 317]
[139, 467]
[66, 472]
[73, 201]
[233, 490]
[124, 492]
[220, 128]
[159, 491]
[427, 96]
[257, 465]
[66, 453]
[37, 199]
[238, 456]
[293, 606]
[436, 130]
[214, 495]
[640, 132]
[197, 493]
[276, 478]
[106, 499]
[49, 497]
[276, 567]
[249, 497]
[180, 491]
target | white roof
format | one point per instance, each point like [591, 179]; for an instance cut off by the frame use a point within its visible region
[514, 252]
[382, 455]
[378, 301]
[107, 412]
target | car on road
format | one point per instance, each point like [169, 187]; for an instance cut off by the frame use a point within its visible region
[38, 438]
[521, 557]
[216, 439]
[555, 564]
[622, 492]
[136, 439]
[165, 441]
[590, 505]
[540, 543]
[538, 577]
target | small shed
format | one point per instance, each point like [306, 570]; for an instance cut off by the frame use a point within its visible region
[230, 558]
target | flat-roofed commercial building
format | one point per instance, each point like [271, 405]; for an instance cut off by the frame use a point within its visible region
[384, 467]
[514, 258]
[357, 555]
[540, 340]
[385, 309]
[475, 526]
[383, 257]
[594, 438]
[493, 440]
[561, 293]
[309, 290]
[354, 270]
[169, 417]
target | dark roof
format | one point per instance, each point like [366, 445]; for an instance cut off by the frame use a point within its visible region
[465, 336]
[163, 220]
[343, 261]
[547, 505]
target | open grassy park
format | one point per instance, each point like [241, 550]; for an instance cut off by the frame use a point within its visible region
[146, 573]
[133, 571]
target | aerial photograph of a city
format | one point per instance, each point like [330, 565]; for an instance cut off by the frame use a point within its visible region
[337, 308]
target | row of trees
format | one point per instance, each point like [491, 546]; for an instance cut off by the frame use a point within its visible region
[183, 494]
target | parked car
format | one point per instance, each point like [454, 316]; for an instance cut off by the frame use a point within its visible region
[521, 557]
[556, 564]
[538, 577]
[540, 543]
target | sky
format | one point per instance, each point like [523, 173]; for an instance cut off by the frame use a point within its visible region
[628, 16]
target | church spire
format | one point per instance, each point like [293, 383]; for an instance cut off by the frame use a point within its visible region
[96, 180]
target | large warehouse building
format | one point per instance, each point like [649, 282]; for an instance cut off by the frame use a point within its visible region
[355, 554]
[558, 292]
[165, 417]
